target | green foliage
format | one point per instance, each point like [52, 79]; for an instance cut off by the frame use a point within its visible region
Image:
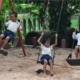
[74, 23]
[70, 7]
[5, 9]
[48, 16]
[31, 8]
[28, 6]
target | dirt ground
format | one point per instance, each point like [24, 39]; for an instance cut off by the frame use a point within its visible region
[17, 67]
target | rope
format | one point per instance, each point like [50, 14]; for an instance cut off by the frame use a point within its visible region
[70, 55]
[59, 21]
[1, 5]
[57, 25]
[45, 6]
[60, 15]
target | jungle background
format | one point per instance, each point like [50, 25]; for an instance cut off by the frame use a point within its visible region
[44, 15]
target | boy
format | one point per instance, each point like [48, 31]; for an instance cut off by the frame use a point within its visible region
[46, 53]
[12, 27]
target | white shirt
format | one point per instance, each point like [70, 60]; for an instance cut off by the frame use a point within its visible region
[12, 26]
[76, 36]
[46, 50]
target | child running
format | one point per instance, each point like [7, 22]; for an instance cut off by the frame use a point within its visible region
[46, 53]
[12, 27]
[76, 36]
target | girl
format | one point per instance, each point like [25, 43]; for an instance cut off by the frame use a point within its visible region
[46, 53]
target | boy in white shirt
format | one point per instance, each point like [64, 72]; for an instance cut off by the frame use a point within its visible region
[12, 27]
[77, 47]
[46, 53]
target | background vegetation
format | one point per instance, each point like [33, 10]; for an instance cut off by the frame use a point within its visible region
[43, 14]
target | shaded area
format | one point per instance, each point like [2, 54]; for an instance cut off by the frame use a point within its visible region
[69, 39]
[68, 35]
[30, 35]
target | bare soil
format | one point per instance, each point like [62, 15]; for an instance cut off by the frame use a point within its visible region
[17, 67]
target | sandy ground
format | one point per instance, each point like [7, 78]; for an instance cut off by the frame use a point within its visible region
[17, 67]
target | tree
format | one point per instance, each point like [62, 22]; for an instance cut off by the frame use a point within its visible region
[70, 7]
[4, 10]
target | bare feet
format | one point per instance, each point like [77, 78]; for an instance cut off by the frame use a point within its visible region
[51, 74]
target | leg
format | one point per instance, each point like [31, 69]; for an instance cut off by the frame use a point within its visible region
[1, 37]
[6, 41]
[51, 67]
[79, 53]
[44, 66]
[76, 51]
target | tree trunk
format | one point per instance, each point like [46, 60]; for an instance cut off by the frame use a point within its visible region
[54, 12]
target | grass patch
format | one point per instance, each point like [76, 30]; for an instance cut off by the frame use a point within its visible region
[74, 23]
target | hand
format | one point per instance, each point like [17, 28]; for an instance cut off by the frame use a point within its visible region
[42, 33]
[56, 35]
[7, 17]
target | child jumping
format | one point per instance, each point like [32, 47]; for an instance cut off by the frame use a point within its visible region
[77, 47]
[46, 53]
[12, 27]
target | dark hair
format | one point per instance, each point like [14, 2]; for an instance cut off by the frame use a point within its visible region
[45, 40]
[77, 32]
[14, 13]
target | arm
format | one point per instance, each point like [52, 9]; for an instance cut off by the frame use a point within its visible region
[20, 25]
[39, 42]
[74, 36]
[56, 41]
[6, 22]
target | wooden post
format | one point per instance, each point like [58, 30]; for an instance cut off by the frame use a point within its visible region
[34, 24]
[1, 5]
[39, 25]
[24, 28]
[63, 43]
[21, 43]
[29, 25]
[19, 34]
[79, 23]
[34, 41]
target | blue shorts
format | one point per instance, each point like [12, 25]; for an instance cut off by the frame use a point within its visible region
[8, 33]
[45, 57]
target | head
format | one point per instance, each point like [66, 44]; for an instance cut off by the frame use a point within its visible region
[13, 16]
[76, 30]
[46, 42]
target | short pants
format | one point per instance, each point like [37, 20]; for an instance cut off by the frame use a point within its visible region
[45, 57]
[8, 33]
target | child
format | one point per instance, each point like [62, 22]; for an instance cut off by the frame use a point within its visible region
[46, 53]
[12, 27]
[76, 35]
